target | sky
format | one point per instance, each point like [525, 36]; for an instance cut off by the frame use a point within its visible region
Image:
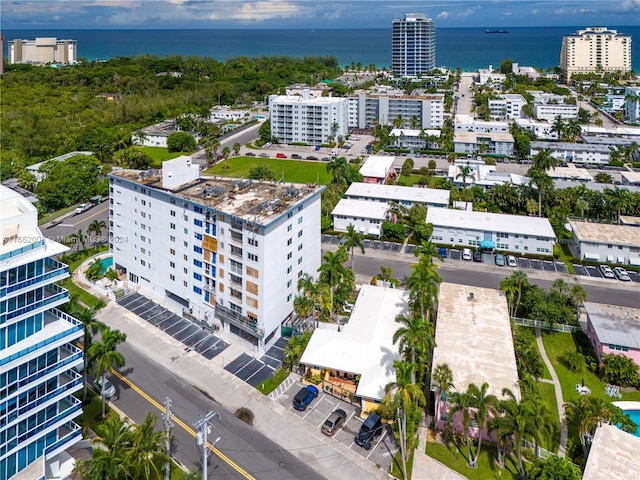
[269, 14]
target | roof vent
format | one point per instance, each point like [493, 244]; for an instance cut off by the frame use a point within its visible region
[470, 296]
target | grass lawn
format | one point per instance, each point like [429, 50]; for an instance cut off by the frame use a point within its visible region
[272, 383]
[47, 217]
[159, 155]
[295, 171]
[548, 395]
[396, 465]
[92, 410]
[455, 458]
[555, 345]
[74, 260]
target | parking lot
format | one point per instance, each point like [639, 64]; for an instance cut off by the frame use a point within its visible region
[384, 446]
[255, 371]
[594, 272]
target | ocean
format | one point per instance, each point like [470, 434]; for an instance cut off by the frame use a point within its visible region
[467, 48]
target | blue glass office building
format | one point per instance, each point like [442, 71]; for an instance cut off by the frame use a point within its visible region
[37, 356]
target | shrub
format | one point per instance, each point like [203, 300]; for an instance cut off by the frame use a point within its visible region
[619, 370]
[574, 361]
[245, 415]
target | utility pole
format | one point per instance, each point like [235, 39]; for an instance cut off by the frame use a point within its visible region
[167, 418]
[204, 429]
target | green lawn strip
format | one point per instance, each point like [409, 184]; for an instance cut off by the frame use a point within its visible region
[74, 260]
[294, 171]
[548, 395]
[555, 345]
[159, 155]
[565, 256]
[455, 458]
[272, 383]
[48, 217]
[92, 411]
[396, 466]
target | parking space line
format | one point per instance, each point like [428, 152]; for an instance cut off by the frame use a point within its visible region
[374, 448]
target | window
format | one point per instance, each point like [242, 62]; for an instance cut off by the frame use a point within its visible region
[172, 239]
[197, 223]
[185, 258]
[186, 231]
[173, 212]
[172, 264]
[252, 257]
[143, 251]
[290, 214]
[289, 283]
[197, 276]
[299, 273]
[252, 242]
[299, 260]
[289, 228]
[143, 226]
[299, 220]
[289, 241]
[186, 272]
[289, 255]
[172, 277]
[143, 263]
[172, 251]
[172, 226]
[198, 236]
[197, 263]
[289, 269]
[197, 290]
[237, 251]
[197, 249]
[184, 283]
[299, 233]
[185, 218]
[299, 247]
[289, 297]
[236, 267]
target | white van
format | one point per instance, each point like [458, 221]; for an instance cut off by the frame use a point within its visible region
[334, 152]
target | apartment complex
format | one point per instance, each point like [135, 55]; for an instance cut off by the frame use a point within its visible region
[427, 111]
[507, 107]
[498, 144]
[307, 119]
[632, 104]
[413, 47]
[595, 49]
[37, 355]
[228, 252]
[42, 51]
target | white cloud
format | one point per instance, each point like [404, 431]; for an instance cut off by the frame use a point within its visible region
[507, 14]
[534, 11]
[442, 15]
[469, 11]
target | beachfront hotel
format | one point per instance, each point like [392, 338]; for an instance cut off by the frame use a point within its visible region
[595, 49]
[227, 252]
[413, 47]
[37, 354]
[43, 51]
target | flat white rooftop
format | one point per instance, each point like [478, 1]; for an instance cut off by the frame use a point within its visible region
[348, 207]
[570, 172]
[473, 337]
[613, 455]
[377, 166]
[300, 99]
[605, 233]
[365, 345]
[398, 132]
[472, 137]
[631, 177]
[397, 193]
[491, 222]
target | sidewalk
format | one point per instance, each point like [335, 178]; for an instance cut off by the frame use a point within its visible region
[564, 433]
[427, 468]
[271, 418]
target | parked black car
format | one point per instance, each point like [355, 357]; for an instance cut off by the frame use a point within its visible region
[477, 256]
[370, 429]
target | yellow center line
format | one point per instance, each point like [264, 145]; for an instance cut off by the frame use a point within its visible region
[90, 216]
[186, 427]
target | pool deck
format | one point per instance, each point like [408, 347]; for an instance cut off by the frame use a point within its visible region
[627, 405]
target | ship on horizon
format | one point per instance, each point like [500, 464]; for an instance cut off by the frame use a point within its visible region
[496, 31]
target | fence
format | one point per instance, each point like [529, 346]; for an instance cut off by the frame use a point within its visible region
[557, 327]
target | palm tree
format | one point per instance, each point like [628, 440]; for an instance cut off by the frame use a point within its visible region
[105, 355]
[579, 414]
[332, 272]
[582, 205]
[109, 458]
[578, 294]
[443, 377]
[404, 397]
[79, 238]
[398, 122]
[423, 285]
[544, 160]
[226, 151]
[428, 250]
[96, 227]
[558, 127]
[483, 403]
[542, 183]
[518, 415]
[461, 402]
[236, 148]
[466, 171]
[560, 286]
[542, 422]
[339, 169]
[90, 327]
[573, 130]
[414, 339]
[354, 239]
[148, 455]
[619, 199]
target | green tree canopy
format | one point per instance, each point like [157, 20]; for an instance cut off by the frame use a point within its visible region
[181, 142]
[70, 181]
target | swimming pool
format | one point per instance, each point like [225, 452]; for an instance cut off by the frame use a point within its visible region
[635, 416]
[105, 263]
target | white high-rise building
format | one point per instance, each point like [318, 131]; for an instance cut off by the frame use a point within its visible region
[413, 48]
[37, 356]
[228, 252]
[42, 51]
[595, 49]
[307, 119]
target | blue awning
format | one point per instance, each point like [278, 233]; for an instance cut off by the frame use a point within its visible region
[487, 244]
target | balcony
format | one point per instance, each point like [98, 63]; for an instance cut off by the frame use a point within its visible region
[54, 295]
[68, 434]
[244, 323]
[53, 271]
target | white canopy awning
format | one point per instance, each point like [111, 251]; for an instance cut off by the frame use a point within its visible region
[634, 261]
[591, 256]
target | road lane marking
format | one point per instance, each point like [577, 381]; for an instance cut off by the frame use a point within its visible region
[186, 427]
[90, 216]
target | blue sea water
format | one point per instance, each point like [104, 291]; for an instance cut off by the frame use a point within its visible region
[467, 48]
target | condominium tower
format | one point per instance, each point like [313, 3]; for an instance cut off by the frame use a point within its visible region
[37, 355]
[42, 51]
[595, 49]
[227, 252]
[413, 49]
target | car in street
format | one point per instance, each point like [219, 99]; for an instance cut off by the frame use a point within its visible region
[311, 157]
[466, 254]
[371, 428]
[304, 397]
[83, 207]
[296, 156]
[622, 274]
[477, 256]
[267, 145]
[499, 260]
[511, 261]
[280, 155]
[249, 154]
[264, 155]
[109, 388]
[326, 159]
[607, 272]
[333, 422]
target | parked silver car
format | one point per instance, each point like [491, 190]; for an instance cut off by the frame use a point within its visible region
[622, 274]
[607, 272]
[109, 388]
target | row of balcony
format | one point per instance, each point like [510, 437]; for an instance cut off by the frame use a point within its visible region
[53, 294]
[53, 270]
[243, 322]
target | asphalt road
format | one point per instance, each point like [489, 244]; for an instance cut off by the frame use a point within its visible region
[476, 275]
[73, 223]
[253, 452]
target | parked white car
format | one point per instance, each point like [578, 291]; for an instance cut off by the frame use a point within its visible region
[466, 254]
[511, 261]
[83, 207]
[109, 388]
[607, 272]
[622, 274]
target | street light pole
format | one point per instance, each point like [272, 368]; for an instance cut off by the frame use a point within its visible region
[204, 428]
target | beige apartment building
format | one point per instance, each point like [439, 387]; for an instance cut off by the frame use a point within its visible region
[42, 51]
[595, 49]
